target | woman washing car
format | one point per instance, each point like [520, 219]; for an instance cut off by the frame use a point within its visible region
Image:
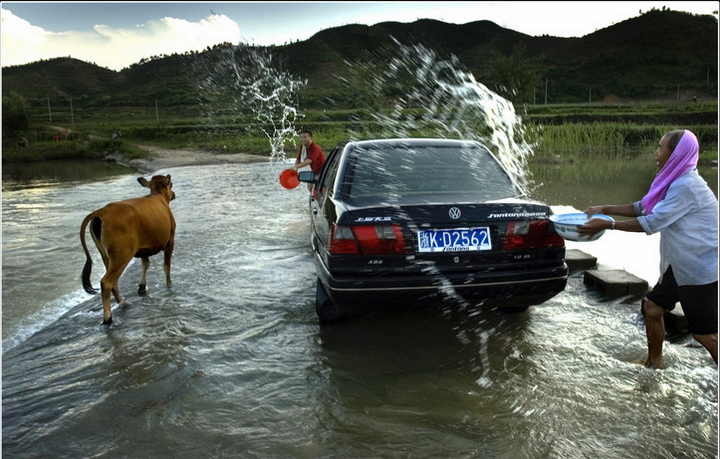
[682, 207]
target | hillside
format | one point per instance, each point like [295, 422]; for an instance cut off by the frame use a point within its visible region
[651, 56]
[642, 57]
[59, 77]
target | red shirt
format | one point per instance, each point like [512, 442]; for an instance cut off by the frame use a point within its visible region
[315, 154]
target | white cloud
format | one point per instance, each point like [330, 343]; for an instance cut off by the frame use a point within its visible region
[13, 26]
[19, 38]
[111, 47]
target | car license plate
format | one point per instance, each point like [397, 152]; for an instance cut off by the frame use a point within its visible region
[454, 240]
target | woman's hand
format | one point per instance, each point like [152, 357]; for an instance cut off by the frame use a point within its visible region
[593, 226]
[593, 210]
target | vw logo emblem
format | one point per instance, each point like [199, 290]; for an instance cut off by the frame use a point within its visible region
[454, 213]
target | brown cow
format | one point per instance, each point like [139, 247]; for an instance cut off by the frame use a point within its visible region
[140, 228]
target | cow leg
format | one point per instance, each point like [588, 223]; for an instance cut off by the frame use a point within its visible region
[142, 287]
[108, 284]
[166, 263]
[118, 297]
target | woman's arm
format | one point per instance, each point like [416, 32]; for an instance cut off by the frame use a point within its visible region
[598, 224]
[623, 210]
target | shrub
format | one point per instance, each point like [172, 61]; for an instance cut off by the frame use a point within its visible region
[15, 119]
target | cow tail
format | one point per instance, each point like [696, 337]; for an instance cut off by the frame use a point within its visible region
[87, 269]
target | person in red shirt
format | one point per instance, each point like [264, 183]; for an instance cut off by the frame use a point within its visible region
[309, 154]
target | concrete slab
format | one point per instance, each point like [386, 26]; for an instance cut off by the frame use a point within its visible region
[577, 260]
[615, 283]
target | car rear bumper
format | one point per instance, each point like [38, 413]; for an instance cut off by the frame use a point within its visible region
[511, 288]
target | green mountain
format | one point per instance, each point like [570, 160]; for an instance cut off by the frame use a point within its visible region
[656, 55]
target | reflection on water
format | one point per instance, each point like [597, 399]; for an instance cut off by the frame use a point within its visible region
[53, 173]
[595, 182]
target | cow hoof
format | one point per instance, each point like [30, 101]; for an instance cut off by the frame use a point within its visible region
[107, 322]
[142, 289]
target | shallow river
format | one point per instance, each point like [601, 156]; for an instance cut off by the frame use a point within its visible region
[231, 361]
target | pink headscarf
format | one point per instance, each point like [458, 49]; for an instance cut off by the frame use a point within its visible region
[683, 159]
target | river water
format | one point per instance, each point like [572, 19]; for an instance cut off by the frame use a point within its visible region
[231, 361]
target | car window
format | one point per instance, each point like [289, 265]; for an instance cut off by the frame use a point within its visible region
[381, 172]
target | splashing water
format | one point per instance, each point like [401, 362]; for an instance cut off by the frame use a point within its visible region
[434, 97]
[246, 84]
[451, 103]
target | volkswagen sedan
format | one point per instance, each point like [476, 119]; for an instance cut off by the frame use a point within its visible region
[398, 221]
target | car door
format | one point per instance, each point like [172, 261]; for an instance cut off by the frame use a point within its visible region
[321, 196]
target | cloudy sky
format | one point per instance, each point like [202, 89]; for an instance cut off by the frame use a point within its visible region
[116, 35]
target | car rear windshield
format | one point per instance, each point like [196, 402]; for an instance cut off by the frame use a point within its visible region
[387, 172]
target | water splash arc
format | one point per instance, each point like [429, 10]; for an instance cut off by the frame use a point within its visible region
[436, 97]
[243, 85]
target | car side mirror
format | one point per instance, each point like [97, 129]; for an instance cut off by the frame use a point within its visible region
[307, 177]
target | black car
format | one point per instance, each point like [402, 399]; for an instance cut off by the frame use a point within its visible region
[401, 220]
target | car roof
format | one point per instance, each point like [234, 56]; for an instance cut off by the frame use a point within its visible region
[414, 142]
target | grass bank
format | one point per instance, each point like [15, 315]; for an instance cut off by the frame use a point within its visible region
[563, 132]
[578, 141]
[96, 150]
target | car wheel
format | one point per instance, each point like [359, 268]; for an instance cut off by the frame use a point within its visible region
[327, 310]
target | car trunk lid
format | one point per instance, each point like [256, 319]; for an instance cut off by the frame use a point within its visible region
[463, 236]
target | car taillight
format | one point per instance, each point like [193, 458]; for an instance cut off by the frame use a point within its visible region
[342, 241]
[531, 234]
[366, 239]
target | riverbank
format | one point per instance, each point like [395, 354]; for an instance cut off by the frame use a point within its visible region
[160, 158]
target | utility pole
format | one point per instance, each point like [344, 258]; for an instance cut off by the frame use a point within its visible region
[72, 114]
[49, 111]
[157, 115]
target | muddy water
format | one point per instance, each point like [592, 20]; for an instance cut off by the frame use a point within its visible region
[231, 362]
